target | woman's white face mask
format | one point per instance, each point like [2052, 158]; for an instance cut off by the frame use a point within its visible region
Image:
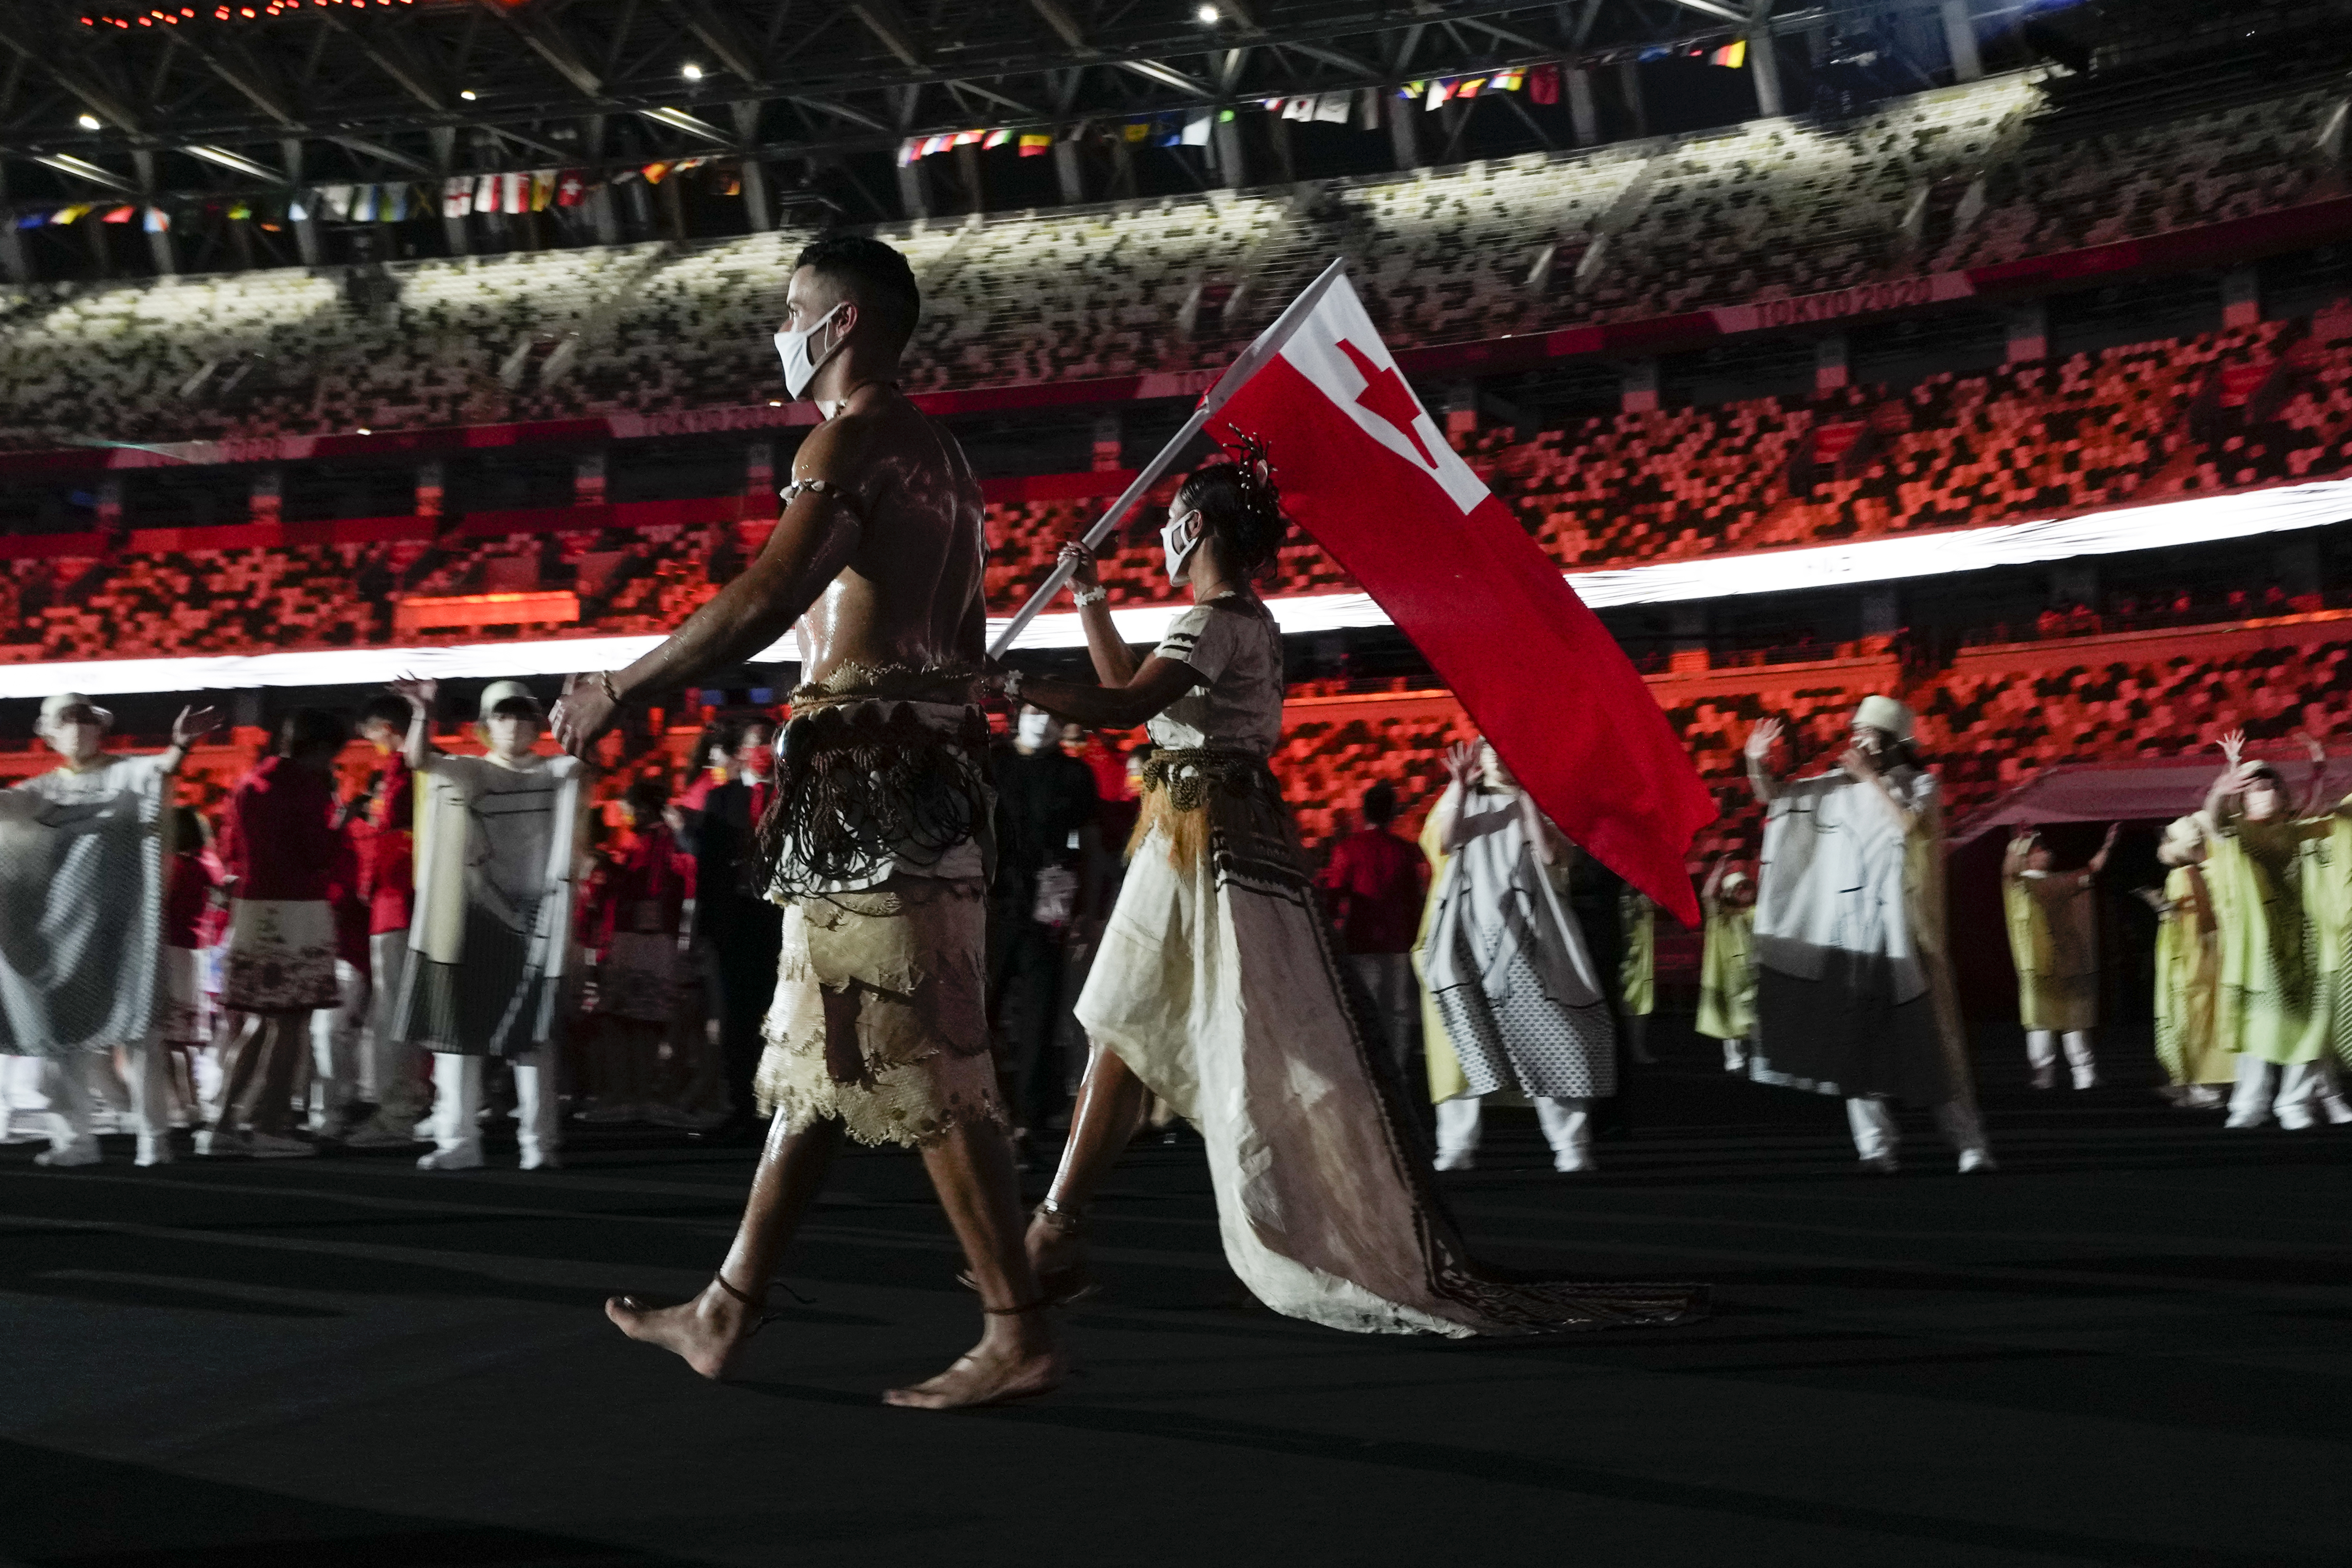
[793, 348]
[1180, 539]
[1037, 730]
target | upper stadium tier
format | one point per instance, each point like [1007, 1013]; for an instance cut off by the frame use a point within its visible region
[1956, 183]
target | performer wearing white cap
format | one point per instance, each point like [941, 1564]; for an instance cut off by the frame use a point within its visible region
[490, 945]
[2189, 971]
[1726, 965]
[1854, 991]
[82, 852]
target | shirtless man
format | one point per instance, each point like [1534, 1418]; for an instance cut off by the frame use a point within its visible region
[878, 1029]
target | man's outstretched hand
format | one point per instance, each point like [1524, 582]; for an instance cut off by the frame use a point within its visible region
[582, 715]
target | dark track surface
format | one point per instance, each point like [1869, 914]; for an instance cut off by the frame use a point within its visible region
[2132, 1345]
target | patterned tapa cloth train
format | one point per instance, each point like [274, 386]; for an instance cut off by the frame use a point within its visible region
[490, 944]
[1217, 982]
[81, 907]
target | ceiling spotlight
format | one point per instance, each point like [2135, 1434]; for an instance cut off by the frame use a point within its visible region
[467, 94]
[88, 121]
[1207, 15]
[365, 431]
[691, 71]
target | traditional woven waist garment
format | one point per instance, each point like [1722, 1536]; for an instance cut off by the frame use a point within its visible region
[882, 771]
[1179, 785]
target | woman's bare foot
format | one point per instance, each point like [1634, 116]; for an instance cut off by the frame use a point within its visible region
[706, 1331]
[1017, 1358]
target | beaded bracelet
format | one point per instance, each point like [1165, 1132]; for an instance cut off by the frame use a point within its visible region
[1094, 595]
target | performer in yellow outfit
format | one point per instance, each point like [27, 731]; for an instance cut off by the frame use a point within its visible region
[2278, 888]
[1726, 965]
[1637, 971]
[2188, 972]
[2053, 938]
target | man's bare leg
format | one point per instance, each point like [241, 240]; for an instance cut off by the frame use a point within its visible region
[707, 1330]
[972, 1167]
[1104, 1121]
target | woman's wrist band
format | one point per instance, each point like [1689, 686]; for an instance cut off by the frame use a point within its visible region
[1094, 595]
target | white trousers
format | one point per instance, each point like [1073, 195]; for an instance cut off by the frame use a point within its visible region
[390, 1071]
[1395, 991]
[2299, 1094]
[72, 1088]
[2042, 1056]
[335, 1047]
[457, 1103]
[1567, 1126]
[1876, 1134]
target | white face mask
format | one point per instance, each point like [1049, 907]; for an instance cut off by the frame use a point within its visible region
[1180, 548]
[1039, 731]
[793, 348]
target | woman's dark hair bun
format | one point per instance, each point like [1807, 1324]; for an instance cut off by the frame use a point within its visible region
[1239, 502]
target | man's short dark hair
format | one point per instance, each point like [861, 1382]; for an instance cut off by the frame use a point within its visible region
[872, 275]
[310, 730]
[391, 710]
[1380, 804]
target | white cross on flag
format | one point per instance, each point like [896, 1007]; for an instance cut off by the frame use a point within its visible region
[1364, 469]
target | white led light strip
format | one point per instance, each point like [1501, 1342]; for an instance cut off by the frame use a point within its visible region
[2205, 519]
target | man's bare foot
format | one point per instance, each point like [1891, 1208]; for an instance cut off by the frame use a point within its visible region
[706, 1331]
[1019, 1366]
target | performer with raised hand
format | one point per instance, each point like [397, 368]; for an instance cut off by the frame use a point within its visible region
[2188, 970]
[1218, 988]
[1507, 961]
[879, 1027]
[82, 852]
[2053, 942]
[1854, 993]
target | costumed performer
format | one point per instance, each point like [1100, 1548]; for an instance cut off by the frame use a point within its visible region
[82, 852]
[1853, 993]
[874, 839]
[2053, 943]
[2277, 885]
[1637, 972]
[392, 1069]
[490, 949]
[2187, 971]
[1218, 986]
[1726, 965]
[1518, 991]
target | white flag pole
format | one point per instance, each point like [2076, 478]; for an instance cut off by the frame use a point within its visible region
[1251, 360]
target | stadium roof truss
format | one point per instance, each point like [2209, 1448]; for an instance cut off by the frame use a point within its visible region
[212, 99]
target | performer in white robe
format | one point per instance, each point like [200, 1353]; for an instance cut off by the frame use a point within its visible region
[1217, 987]
[1854, 993]
[1509, 968]
[82, 853]
[491, 948]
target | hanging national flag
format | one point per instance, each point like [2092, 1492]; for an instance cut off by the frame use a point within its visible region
[734, 183]
[1732, 55]
[1469, 86]
[1196, 129]
[363, 204]
[1508, 81]
[120, 214]
[570, 188]
[1439, 92]
[1298, 108]
[338, 200]
[1331, 108]
[1543, 83]
[514, 196]
[996, 138]
[1034, 145]
[456, 196]
[654, 173]
[239, 211]
[32, 220]
[1365, 471]
[485, 194]
[393, 208]
[542, 189]
[70, 215]
[1136, 129]
[157, 221]
[1411, 90]
[906, 153]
